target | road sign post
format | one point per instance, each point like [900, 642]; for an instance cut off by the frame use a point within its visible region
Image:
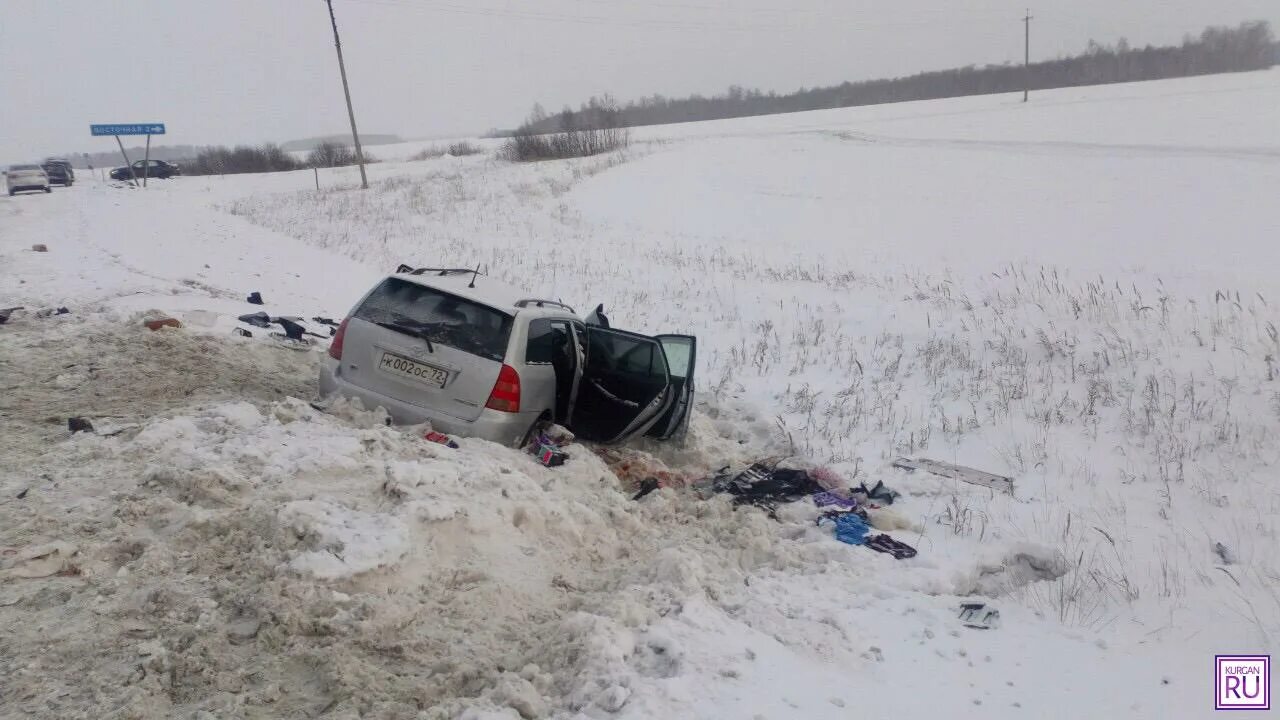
[118, 129]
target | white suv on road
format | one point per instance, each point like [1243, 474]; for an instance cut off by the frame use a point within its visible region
[479, 358]
[26, 177]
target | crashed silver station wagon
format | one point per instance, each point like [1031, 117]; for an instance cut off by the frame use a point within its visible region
[478, 358]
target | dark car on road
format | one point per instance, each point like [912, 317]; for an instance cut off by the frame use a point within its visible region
[59, 172]
[154, 169]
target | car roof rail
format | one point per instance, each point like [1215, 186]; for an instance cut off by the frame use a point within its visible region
[526, 302]
[407, 269]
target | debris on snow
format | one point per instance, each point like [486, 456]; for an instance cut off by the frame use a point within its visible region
[166, 322]
[957, 472]
[979, 615]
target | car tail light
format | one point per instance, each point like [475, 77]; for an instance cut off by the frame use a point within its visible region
[335, 347]
[506, 392]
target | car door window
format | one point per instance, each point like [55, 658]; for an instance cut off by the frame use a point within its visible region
[540, 347]
[681, 352]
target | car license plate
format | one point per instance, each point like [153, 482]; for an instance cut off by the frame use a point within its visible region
[413, 370]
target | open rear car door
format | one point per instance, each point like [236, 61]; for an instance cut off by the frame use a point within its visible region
[681, 352]
[625, 388]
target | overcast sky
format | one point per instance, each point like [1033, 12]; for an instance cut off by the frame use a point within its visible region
[230, 71]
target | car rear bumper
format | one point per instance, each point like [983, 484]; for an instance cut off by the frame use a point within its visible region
[26, 186]
[500, 427]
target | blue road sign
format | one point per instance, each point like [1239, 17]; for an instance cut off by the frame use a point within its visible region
[130, 129]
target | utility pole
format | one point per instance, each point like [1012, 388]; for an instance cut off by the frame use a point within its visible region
[1026, 59]
[342, 68]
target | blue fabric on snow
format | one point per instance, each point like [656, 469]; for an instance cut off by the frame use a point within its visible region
[851, 529]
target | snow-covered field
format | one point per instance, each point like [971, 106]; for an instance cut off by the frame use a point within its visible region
[1079, 292]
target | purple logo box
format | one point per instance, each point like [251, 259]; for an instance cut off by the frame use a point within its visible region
[1242, 682]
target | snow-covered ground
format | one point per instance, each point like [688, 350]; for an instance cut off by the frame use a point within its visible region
[1078, 292]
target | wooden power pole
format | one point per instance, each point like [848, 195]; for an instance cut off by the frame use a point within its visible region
[1026, 58]
[346, 90]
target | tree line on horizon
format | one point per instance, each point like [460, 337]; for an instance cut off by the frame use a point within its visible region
[1250, 46]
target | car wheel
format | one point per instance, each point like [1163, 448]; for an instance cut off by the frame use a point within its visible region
[538, 426]
[12, 193]
[48, 189]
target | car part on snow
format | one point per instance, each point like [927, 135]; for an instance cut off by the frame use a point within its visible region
[6, 312]
[242, 332]
[79, 424]
[158, 323]
[896, 548]
[255, 298]
[50, 312]
[440, 438]
[979, 615]
[880, 493]
[958, 472]
[1224, 552]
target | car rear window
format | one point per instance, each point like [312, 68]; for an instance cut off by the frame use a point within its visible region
[439, 317]
[24, 167]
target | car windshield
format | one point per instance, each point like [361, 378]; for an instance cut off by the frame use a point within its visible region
[438, 317]
[24, 167]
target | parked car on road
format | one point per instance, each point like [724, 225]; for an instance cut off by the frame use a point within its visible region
[154, 169]
[479, 358]
[20, 178]
[59, 171]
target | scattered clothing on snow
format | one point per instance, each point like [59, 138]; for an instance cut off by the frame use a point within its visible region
[879, 493]
[79, 424]
[827, 498]
[292, 330]
[258, 319]
[896, 548]
[765, 486]
[50, 312]
[242, 332]
[851, 529]
[40, 247]
[255, 298]
[6, 312]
